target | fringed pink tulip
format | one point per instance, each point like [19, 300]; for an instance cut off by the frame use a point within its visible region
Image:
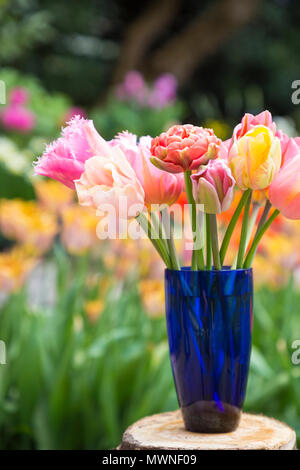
[109, 182]
[160, 187]
[284, 191]
[213, 186]
[63, 160]
[184, 147]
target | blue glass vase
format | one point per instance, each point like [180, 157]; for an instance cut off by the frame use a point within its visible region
[209, 324]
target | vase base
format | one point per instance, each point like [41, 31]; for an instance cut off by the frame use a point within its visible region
[211, 417]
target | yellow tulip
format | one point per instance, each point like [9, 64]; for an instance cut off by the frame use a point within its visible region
[78, 229]
[255, 158]
[28, 223]
[15, 266]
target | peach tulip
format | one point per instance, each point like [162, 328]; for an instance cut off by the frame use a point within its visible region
[28, 223]
[110, 181]
[213, 186]
[159, 186]
[255, 158]
[184, 147]
[284, 191]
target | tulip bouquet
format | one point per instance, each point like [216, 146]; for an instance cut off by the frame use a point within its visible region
[151, 174]
[209, 305]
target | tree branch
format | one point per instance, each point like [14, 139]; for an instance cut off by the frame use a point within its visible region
[142, 32]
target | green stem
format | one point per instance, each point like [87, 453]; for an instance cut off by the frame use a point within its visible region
[214, 241]
[200, 237]
[252, 220]
[264, 216]
[258, 237]
[197, 257]
[244, 232]
[231, 226]
[158, 228]
[156, 242]
[208, 243]
[170, 239]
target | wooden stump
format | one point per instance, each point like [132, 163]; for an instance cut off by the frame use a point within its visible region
[166, 431]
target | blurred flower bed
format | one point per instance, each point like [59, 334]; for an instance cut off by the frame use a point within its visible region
[83, 319]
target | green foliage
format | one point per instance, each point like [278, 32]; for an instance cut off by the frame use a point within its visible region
[14, 186]
[70, 383]
[63, 43]
[118, 115]
[74, 47]
[274, 385]
[22, 28]
[18, 150]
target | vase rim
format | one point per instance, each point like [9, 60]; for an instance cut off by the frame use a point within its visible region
[225, 269]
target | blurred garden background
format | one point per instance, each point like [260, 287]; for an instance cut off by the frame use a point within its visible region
[83, 319]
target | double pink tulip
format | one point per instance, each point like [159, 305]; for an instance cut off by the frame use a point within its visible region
[184, 148]
[213, 186]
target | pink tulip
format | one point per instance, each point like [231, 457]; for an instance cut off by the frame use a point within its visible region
[224, 149]
[160, 187]
[184, 147]
[109, 182]
[133, 87]
[284, 191]
[163, 92]
[18, 95]
[63, 160]
[289, 146]
[213, 186]
[17, 118]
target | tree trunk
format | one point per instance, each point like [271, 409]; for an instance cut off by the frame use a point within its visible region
[202, 37]
[141, 33]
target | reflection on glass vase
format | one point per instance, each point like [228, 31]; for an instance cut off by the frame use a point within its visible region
[209, 323]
